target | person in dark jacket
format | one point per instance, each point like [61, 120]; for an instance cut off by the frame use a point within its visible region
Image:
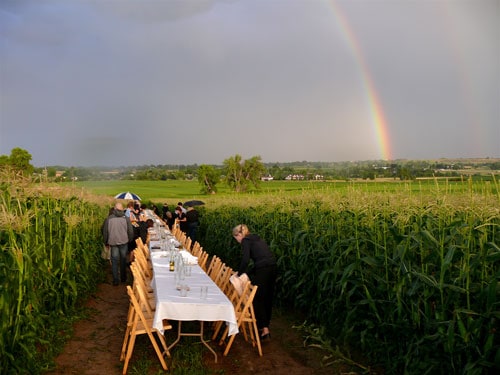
[117, 232]
[263, 274]
[192, 219]
[180, 218]
[143, 229]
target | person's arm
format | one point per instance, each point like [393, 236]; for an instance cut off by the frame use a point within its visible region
[105, 232]
[130, 230]
[245, 257]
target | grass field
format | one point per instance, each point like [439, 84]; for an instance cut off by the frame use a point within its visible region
[172, 191]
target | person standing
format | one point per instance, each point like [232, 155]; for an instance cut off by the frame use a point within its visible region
[184, 210]
[180, 219]
[164, 210]
[117, 232]
[132, 213]
[192, 219]
[263, 274]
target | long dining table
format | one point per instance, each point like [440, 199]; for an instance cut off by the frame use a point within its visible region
[171, 305]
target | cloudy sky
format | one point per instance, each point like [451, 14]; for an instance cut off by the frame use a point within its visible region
[135, 82]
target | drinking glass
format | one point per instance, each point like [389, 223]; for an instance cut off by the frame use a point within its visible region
[203, 292]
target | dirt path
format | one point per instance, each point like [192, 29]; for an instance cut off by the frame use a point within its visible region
[96, 344]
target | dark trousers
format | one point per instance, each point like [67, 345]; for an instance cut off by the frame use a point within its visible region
[192, 228]
[119, 262]
[265, 279]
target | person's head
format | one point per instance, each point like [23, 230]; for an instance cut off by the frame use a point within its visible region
[240, 231]
[178, 209]
[150, 223]
[118, 206]
[144, 206]
[130, 204]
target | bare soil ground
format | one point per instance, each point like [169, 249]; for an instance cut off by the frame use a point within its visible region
[95, 346]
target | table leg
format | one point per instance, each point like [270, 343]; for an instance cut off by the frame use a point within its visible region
[200, 335]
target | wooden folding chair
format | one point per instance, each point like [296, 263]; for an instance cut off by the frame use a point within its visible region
[196, 249]
[225, 283]
[138, 242]
[245, 317]
[202, 260]
[181, 237]
[175, 229]
[222, 277]
[144, 263]
[142, 246]
[187, 243]
[236, 298]
[141, 322]
[144, 282]
[214, 267]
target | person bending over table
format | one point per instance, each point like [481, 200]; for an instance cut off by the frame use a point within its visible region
[263, 274]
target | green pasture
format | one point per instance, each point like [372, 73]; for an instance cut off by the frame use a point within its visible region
[172, 191]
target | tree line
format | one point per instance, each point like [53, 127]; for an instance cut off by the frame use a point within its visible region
[245, 174]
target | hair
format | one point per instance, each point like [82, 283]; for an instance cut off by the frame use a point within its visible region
[241, 228]
[118, 206]
[130, 204]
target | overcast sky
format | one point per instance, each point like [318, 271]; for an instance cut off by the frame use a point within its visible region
[129, 82]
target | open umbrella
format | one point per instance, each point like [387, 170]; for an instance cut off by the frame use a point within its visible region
[128, 195]
[193, 203]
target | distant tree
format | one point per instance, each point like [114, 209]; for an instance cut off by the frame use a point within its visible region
[241, 174]
[19, 160]
[208, 177]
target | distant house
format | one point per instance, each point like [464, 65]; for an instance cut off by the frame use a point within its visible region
[319, 177]
[267, 178]
[294, 177]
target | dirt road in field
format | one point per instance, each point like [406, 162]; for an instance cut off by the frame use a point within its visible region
[95, 346]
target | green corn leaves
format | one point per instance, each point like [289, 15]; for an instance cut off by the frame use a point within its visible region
[49, 258]
[413, 276]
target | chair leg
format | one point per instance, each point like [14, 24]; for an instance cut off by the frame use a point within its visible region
[257, 337]
[157, 349]
[126, 338]
[218, 326]
[228, 346]
[130, 349]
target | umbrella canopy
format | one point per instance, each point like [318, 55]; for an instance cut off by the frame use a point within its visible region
[193, 203]
[128, 195]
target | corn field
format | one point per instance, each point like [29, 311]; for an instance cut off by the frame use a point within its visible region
[50, 258]
[410, 280]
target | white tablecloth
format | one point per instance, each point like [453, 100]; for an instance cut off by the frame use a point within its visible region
[170, 304]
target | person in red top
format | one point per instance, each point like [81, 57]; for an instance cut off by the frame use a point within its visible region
[263, 274]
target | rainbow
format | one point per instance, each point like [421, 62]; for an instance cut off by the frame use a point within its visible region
[377, 113]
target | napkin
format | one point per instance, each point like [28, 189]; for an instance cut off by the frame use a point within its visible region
[188, 258]
[159, 254]
[175, 242]
[239, 282]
